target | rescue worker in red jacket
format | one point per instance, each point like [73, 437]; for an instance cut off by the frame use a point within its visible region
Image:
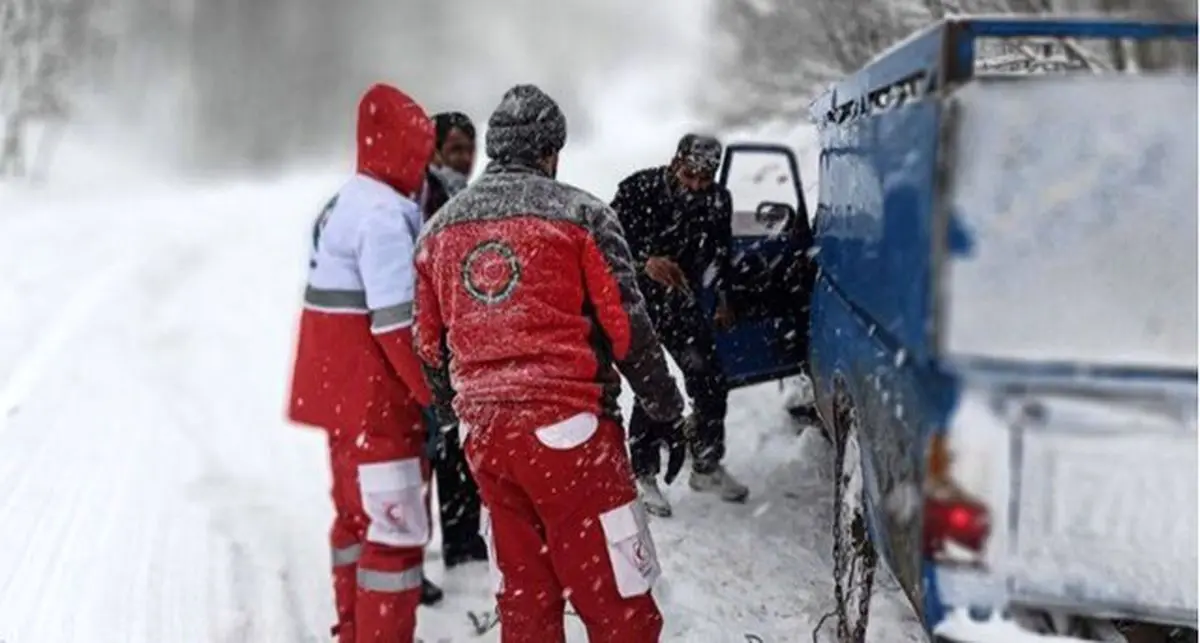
[357, 377]
[527, 295]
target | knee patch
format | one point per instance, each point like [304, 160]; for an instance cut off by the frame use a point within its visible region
[630, 549]
[393, 498]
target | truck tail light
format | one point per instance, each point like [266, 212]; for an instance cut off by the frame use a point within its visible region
[956, 526]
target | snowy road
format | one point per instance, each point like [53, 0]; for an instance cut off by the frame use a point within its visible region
[150, 490]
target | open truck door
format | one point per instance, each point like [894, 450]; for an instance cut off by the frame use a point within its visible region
[771, 274]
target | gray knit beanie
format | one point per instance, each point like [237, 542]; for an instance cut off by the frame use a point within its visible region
[526, 127]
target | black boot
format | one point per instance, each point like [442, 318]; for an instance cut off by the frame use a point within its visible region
[473, 551]
[430, 594]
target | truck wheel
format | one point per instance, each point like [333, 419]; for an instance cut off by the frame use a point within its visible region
[854, 555]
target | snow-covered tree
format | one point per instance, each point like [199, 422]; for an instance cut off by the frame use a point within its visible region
[772, 56]
[257, 84]
[41, 43]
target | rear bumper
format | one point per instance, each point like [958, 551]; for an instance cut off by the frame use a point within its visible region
[970, 606]
[962, 628]
[1090, 482]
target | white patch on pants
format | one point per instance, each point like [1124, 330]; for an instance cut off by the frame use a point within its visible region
[570, 433]
[394, 500]
[631, 549]
[485, 532]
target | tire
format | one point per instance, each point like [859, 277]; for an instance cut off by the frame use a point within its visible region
[854, 556]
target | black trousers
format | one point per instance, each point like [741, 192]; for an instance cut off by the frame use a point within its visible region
[458, 499]
[686, 332]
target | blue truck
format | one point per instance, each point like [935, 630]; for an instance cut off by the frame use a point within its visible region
[996, 300]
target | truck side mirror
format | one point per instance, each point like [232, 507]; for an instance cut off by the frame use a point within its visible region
[763, 180]
[774, 216]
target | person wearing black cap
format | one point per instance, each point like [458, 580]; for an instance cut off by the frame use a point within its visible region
[458, 496]
[528, 301]
[678, 223]
[454, 152]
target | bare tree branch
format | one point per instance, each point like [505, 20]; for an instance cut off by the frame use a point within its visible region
[782, 52]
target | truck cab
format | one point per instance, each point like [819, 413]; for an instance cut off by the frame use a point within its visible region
[998, 303]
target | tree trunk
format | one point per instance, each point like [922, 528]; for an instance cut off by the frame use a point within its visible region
[47, 145]
[12, 150]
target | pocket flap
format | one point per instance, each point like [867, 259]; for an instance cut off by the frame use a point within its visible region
[390, 476]
[624, 522]
[569, 433]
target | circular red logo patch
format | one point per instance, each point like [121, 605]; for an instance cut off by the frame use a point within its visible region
[491, 272]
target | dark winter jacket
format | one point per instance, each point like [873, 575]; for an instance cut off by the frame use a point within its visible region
[452, 181]
[694, 230]
[526, 291]
[435, 196]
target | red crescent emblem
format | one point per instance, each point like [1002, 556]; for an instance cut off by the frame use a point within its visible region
[395, 515]
[639, 553]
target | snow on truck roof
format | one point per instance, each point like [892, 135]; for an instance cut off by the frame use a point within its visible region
[945, 50]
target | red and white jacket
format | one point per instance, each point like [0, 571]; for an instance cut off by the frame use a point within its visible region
[355, 367]
[526, 301]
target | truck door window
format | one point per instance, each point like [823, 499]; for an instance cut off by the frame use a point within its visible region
[763, 188]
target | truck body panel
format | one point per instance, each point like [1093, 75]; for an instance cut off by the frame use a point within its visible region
[1074, 250]
[1007, 266]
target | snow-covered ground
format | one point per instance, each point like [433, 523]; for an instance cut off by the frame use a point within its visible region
[152, 490]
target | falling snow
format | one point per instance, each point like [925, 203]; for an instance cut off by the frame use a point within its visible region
[160, 419]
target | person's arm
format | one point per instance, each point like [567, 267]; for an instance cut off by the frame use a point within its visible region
[621, 312]
[435, 195]
[429, 334]
[385, 258]
[722, 240]
[626, 205]
[637, 227]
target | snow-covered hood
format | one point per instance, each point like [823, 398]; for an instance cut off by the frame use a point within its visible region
[395, 139]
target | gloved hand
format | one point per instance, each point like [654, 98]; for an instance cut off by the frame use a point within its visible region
[676, 442]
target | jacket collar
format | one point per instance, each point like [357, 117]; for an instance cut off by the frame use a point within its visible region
[515, 167]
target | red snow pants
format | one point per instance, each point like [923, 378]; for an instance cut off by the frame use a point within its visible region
[380, 528]
[563, 521]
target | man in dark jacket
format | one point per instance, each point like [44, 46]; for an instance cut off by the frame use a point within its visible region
[678, 224]
[458, 496]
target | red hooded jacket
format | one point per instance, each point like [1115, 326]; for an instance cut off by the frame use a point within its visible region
[355, 368]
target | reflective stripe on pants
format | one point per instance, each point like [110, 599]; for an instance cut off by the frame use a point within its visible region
[346, 555]
[391, 582]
